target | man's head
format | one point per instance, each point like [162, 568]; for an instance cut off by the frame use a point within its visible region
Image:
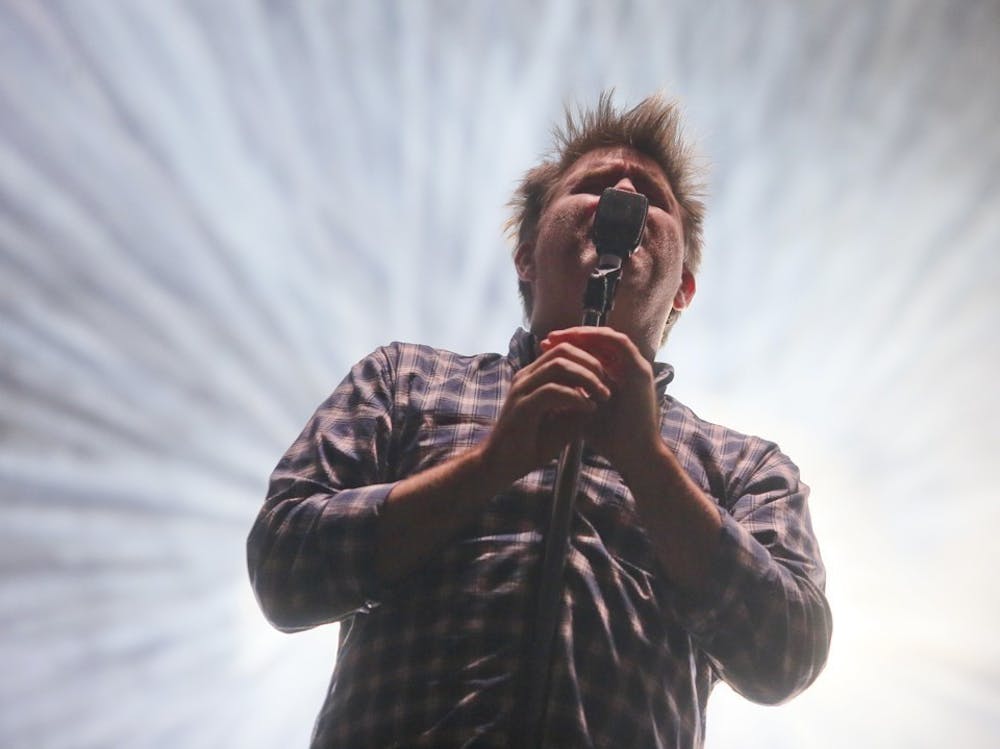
[646, 145]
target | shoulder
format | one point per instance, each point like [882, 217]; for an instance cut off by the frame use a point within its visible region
[406, 361]
[682, 421]
[426, 379]
[728, 462]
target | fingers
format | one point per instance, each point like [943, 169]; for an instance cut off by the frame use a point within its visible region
[535, 426]
[552, 401]
[617, 355]
[556, 399]
[568, 366]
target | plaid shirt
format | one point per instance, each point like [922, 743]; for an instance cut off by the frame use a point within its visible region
[434, 661]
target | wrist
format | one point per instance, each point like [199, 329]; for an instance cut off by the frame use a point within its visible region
[641, 456]
[488, 468]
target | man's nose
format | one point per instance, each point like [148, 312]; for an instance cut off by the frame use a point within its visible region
[625, 183]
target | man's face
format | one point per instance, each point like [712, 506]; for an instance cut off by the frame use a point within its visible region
[559, 260]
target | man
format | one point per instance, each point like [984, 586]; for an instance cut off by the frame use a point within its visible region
[410, 507]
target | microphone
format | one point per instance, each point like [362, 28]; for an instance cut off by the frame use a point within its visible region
[618, 225]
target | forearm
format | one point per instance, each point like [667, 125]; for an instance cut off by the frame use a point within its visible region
[683, 524]
[755, 610]
[763, 621]
[425, 511]
[309, 552]
[318, 557]
[548, 405]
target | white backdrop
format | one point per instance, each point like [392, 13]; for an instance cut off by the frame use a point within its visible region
[209, 209]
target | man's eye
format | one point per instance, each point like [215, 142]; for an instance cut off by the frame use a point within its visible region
[659, 200]
[592, 186]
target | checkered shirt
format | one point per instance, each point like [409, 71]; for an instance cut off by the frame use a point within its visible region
[434, 660]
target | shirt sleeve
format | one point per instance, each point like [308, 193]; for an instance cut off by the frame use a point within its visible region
[763, 618]
[311, 550]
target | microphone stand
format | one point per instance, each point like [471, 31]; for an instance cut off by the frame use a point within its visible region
[598, 300]
[617, 231]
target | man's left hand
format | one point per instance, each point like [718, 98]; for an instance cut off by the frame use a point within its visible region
[627, 425]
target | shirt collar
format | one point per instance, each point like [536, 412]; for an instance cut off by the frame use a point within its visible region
[524, 349]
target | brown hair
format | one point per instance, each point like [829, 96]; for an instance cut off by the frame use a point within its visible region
[652, 127]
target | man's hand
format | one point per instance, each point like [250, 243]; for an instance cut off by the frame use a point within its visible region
[551, 402]
[682, 522]
[625, 428]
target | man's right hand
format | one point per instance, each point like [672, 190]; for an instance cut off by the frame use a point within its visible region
[549, 404]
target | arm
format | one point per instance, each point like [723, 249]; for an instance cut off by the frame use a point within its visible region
[334, 530]
[762, 617]
[747, 584]
[309, 553]
[682, 522]
[548, 404]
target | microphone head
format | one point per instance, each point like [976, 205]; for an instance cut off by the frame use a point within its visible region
[620, 219]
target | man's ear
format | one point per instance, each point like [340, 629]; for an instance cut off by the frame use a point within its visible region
[524, 261]
[685, 293]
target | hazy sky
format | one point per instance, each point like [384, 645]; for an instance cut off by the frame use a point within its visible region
[210, 209]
